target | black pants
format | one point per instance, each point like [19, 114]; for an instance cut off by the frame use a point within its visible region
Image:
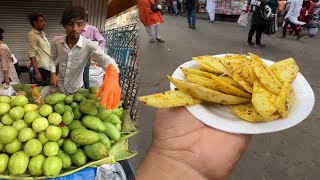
[86, 75]
[255, 28]
[170, 10]
[16, 66]
[179, 7]
[45, 74]
[293, 27]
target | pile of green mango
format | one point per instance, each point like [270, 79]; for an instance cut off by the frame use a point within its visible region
[64, 133]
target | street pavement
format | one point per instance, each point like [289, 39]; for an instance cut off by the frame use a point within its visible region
[292, 154]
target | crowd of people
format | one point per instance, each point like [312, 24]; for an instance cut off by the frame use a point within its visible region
[66, 62]
[301, 15]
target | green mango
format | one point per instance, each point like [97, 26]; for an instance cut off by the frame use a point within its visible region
[84, 137]
[111, 131]
[53, 99]
[96, 151]
[79, 158]
[77, 113]
[66, 160]
[89, 107]
[93, 123]
[67, 117]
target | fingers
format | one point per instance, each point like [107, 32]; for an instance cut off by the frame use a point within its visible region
[39, 78]
[105, 95]
[53, 79]
[116, 99]
[100, 91]
[109, 101]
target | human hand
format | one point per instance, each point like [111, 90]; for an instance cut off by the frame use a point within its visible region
[181, 138]
[54, 79]
[247, 9]
[7, 81]
[38, 76]
[110, 89]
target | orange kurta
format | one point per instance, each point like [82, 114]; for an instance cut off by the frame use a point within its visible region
[146, 15]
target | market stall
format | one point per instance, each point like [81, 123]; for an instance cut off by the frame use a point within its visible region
[230, 7]
[45, 134]
[224, 7]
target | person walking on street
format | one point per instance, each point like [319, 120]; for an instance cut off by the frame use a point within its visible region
[8, 73]
[260, 11]
[175, 6]
[274, 4]
[39, 49]
[151, 20]
[92, 33]
[191, 13]
[292, 17]
[314, 24]
[211, 9]
[170, 7]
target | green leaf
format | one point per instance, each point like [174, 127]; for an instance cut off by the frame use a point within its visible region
[120, 150]
[128, 125]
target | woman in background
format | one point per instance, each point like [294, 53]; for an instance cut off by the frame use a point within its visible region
[8, 73]
[211, 9]
[151, 20]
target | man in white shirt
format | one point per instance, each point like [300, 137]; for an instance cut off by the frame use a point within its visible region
[71, 52]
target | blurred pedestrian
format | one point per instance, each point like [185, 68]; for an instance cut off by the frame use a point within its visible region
[314, 24]
[170, 7]
[39, 49]
[211, 9]
[179, 6]
[150, 19]
[8, 73]
[16, 65]
[191, 13]
[260, 11]
[175, 7]
[292, 17]
[273, 4]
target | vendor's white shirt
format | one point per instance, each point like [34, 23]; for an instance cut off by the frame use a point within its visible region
[73, 61]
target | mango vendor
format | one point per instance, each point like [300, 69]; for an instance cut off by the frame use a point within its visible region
[70, 54]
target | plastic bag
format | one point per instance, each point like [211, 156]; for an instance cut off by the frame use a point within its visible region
[84, 174]
[96, 75]
[244, 19]
[6, 91]
[111, 172]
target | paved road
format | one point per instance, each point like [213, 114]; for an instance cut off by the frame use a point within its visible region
[292, 154]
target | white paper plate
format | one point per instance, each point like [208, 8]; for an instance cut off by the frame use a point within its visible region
[221, 117]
